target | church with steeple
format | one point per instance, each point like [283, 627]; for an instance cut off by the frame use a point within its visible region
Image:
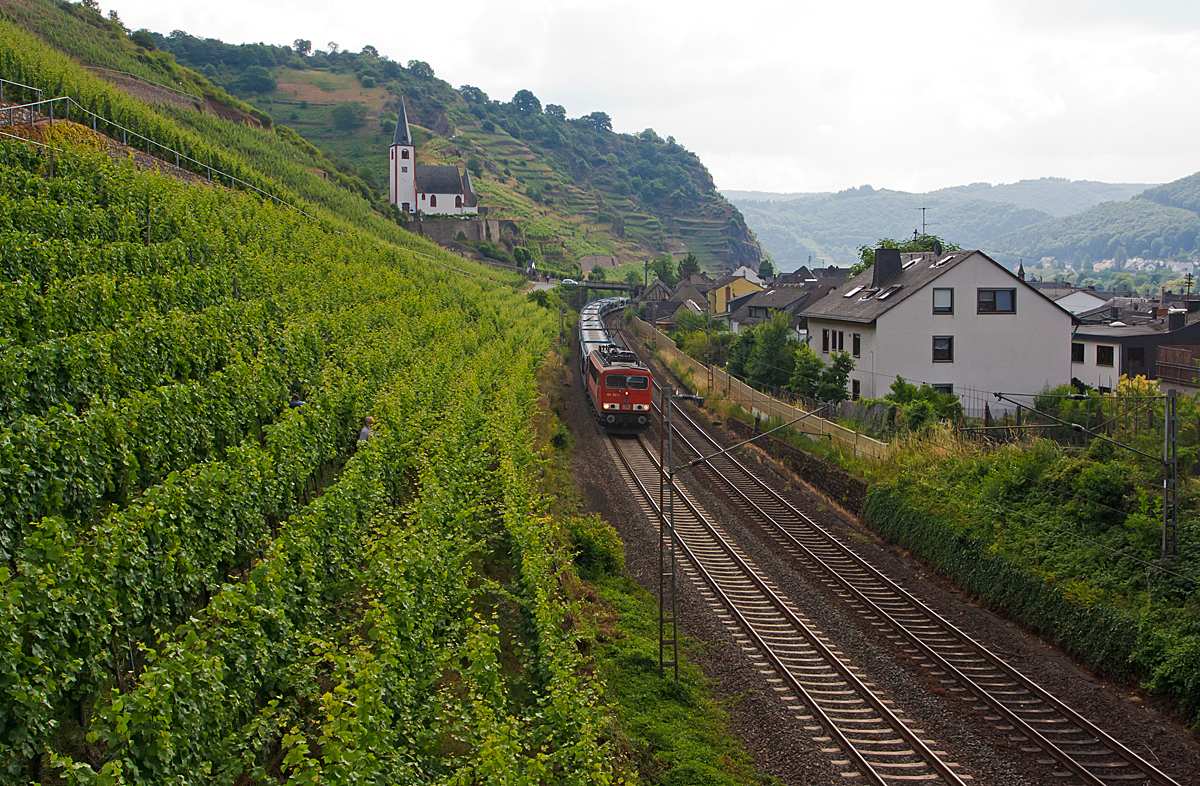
[429, 190]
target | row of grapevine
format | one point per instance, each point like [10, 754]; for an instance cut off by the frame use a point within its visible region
[208, 623]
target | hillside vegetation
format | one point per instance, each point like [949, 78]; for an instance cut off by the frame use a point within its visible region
[583, 188]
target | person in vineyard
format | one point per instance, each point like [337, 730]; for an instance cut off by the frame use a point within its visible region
[296, 401]
[365, 434]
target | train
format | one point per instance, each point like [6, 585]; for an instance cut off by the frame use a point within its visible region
[618, 385]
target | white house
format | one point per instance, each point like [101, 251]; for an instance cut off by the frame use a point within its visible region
[960, 322]
[432, 190]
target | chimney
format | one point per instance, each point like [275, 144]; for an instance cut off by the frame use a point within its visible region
[887, 266]
[1176, 321]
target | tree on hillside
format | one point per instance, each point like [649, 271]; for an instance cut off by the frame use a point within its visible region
[664, 267]
[598, 120]
[259, 80]
[526, 103]
[332, 46]
[597, 274]
[302, 46]
[766, 269]
[349, 115]
[633, 277]
[689, 266]
[420, 68]
[557, 111]
[472, 94]
[144, 38]
[370, 51]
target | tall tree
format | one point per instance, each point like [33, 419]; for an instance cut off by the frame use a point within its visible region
[526, 103]
[689, 266]
[302, 46]
[766, 269]
[774, 356]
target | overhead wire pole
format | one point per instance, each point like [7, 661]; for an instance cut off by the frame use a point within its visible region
[667, 550]
[1169, 461]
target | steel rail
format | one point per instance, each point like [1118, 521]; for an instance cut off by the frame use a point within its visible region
[965, 642]
[887, 718]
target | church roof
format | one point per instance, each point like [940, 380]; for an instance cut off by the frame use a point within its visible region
[445, 180]
[403, 136]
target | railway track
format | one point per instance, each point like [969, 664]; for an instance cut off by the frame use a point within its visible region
[1036, 721]
[864, 735]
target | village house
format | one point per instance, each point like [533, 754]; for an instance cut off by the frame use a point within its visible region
[424, 189]
[725, 289]
[758, 307]
[959, 321]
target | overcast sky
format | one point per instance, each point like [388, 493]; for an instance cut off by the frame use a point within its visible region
[801, 95]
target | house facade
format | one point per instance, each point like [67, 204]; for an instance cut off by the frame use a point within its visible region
[429, 190]
[727, 288]
[960, 322]
[1102, 354]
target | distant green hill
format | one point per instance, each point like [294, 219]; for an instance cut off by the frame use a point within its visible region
[580, 188]
[1183, 193]
[827, 228]
[830, 228]
[1140, 227]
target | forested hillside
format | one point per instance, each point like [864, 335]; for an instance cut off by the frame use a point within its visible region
[830, 228]
[1138, 227]
[582, 188]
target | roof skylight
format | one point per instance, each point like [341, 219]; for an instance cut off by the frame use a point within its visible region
[853, 292]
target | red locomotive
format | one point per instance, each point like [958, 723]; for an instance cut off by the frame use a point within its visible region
[618, 384]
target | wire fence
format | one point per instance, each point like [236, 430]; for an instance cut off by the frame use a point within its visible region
[43, 110]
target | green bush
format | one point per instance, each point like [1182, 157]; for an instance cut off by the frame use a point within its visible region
[598, 551]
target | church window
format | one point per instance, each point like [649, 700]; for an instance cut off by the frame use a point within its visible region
[433, 200]
[404, 154]
[458, 201]
[422, 197]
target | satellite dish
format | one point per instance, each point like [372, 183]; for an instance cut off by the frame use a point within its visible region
[937, 247]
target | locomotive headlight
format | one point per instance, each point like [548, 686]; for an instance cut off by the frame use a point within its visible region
[612, 406]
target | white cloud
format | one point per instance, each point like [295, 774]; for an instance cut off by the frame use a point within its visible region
[805, 95]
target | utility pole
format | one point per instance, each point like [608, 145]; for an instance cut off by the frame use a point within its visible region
[1170, 537]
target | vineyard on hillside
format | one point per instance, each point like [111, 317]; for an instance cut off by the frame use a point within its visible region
[201, 584]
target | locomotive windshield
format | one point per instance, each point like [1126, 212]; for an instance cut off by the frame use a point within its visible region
[622, 382]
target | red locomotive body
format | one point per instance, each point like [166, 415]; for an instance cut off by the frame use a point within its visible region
[619, 387]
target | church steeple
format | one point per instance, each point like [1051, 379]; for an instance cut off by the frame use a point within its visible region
[402, 165]
[1021, 270]
[402, 135]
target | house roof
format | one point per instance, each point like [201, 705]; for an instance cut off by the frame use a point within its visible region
[402, 135]
[686, 291]
[859, 300]
[782, 296]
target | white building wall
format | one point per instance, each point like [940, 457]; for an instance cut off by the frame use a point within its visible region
[1011, 353]
[1092, 373]
[445, 205]
[402, 176]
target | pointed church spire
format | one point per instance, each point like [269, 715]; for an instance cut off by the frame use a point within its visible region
[1021, 270]
[402, 135]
